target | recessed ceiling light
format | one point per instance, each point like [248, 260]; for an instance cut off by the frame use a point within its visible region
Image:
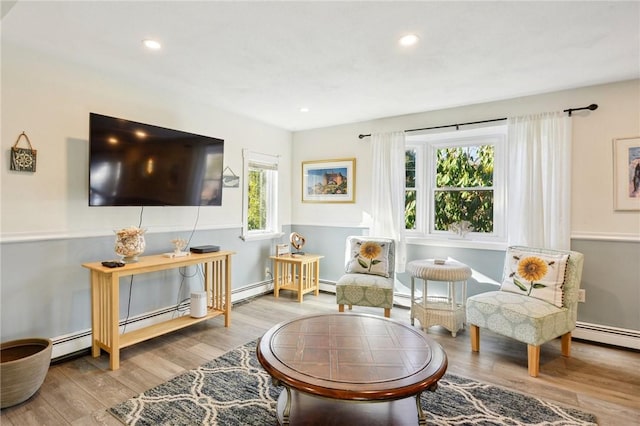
[409, 40]
[152, 44]
[304, 109]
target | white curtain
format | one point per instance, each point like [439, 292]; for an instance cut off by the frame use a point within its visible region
[387, 200]
[539, 176]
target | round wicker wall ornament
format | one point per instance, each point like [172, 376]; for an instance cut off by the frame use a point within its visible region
[23, 159]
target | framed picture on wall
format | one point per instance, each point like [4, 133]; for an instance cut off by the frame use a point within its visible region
[329, 181]
[626, 173]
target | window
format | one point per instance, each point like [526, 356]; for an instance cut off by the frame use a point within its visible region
[456, 180]
[260, 206]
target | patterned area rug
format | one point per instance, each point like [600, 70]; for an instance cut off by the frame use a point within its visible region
[234, 390]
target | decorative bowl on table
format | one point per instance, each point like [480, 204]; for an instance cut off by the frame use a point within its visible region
[130, 243]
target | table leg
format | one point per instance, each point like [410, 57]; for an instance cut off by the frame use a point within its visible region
[299, 271]
[96, 289]
[464, 300]
[276, 278]
[422, 418]
[113, 326]
[316, 276]
[227, 292]
[413, 286]
[286, 413]
[452, 292]
[425, 292]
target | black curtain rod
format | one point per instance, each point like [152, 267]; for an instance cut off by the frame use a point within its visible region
[457, 125]
[591, 107]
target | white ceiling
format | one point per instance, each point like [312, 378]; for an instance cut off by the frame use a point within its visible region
[340, 59]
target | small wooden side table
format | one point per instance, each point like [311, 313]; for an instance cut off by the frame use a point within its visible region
[296, 272]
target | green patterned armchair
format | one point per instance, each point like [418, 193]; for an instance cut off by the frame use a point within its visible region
[369, 274]
[537, 302]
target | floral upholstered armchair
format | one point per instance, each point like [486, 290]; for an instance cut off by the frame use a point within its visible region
[537, 301]
[369, 274]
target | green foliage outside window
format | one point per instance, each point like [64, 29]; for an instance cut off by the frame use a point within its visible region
[410, 192]
[464, 180]
[257, 203]
[463, 190]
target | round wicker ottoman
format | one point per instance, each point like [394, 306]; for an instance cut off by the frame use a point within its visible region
[448, 310]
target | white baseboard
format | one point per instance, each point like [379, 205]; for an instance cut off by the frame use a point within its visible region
[608, 335]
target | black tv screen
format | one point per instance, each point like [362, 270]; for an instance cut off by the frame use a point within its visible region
[136, 164]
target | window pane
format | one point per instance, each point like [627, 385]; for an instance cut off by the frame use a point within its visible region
[410, 169]
[410, 192]
[465, 167]
[475, 207]
[410, 209]
[257, 210]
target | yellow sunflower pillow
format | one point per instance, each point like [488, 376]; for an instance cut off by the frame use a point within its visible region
[538, 275]
[368, 257]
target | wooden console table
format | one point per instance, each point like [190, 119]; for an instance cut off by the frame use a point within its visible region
[105, 305]
[296, 272]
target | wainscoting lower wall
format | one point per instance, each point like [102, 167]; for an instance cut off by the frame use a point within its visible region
[45, 291]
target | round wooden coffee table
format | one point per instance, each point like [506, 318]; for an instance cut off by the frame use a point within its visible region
[350, 369]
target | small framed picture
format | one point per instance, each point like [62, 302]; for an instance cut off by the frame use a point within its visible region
[329, 181]
[282, 249]
[23, 159]
[626, 173]
[230, 179]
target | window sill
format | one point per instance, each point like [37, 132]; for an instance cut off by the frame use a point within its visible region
[262, 236]
[458, 242]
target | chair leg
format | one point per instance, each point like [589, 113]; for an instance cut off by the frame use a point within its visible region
[387, 312]
[475, 338]
[340, 308]
[565, 344]
[533, 354]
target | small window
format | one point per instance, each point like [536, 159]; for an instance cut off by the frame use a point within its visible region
[455, 184]
[260, 206]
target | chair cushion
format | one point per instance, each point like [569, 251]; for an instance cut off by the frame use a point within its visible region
[368, 257]
[520, 317]
[535, 274]
[365, 290]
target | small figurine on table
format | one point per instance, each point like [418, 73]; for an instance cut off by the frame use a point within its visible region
[297, 242]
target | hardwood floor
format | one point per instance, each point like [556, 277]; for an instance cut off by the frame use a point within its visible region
[602, 380]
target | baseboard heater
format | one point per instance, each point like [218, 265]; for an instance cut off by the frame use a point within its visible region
[625, 338]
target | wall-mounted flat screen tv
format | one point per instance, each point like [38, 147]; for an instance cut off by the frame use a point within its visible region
[136, 164]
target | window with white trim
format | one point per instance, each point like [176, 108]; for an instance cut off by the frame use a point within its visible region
[260, 205]
[455, 184]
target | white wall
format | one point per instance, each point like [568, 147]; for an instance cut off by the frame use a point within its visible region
[51, 102]
[593, 215]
